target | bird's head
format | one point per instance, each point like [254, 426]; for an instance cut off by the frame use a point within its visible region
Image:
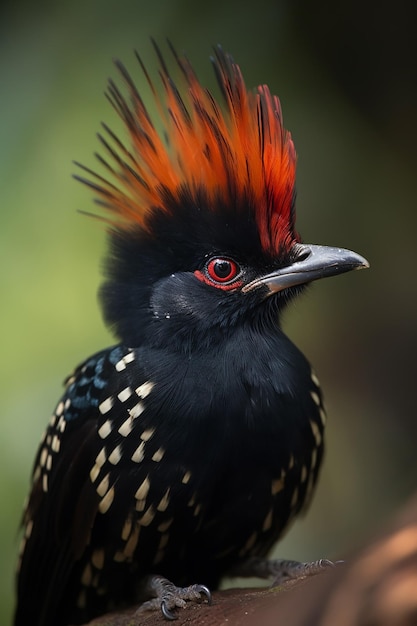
[201, 209]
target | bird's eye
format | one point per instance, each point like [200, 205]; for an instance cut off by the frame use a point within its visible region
[222, 270]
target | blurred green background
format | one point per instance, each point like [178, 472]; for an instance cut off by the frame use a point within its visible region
[346, 76]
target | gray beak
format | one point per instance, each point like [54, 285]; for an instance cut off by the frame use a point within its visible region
[314, 262]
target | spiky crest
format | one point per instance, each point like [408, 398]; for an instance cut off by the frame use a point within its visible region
[242, 154]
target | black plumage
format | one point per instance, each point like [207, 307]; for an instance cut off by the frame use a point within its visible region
[186, 449]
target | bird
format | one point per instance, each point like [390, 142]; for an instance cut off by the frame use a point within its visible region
[180, 454]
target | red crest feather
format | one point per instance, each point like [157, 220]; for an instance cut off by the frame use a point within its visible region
[240, 152]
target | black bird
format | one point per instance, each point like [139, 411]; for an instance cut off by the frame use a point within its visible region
[182, 453]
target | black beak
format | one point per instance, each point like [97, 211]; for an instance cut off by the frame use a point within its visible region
[312, 262]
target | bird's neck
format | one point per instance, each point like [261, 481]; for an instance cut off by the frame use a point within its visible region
[193, 336]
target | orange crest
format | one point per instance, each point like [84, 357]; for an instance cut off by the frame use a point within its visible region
[240, 152]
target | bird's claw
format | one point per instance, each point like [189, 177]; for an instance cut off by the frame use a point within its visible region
[202, 589]
[195, 592]
[169, 615]
[168, 597]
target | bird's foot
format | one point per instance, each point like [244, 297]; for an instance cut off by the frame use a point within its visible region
[281, 570]
[166, 597]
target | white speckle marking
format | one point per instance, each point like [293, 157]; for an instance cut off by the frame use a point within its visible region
[316, 432]
[94, 472]
[116, 455]
[43, 457]
[126, 428]
[105, 429]
[103, 487]
[147, 434]
[163, 504]
[136, 410]
[56, 444]
[101, 457]
[323, 416]
[147, 517]
[140, 505]
[315, 379]
[130, 546]
[145, 389]
[125, 394]
[28, 529]
[316, 398]
[158, 455]
[186, 478]
[62, 424]
[139, 453]
[143, 490]
[106, 405]
[59, 409]
[128, 358]
[49, 462]
[45, 483]
[106, 502]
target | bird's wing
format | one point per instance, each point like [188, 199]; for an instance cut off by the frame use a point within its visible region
[64, 503]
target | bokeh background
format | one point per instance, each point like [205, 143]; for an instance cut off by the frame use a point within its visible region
[346, 76]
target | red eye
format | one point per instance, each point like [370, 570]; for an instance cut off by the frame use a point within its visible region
[222, 270]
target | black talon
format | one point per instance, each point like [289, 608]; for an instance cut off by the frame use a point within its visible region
[169, 615]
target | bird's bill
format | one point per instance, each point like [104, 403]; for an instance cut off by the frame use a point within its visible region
[314, 262]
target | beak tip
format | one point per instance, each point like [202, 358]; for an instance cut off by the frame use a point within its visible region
[363, 264]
